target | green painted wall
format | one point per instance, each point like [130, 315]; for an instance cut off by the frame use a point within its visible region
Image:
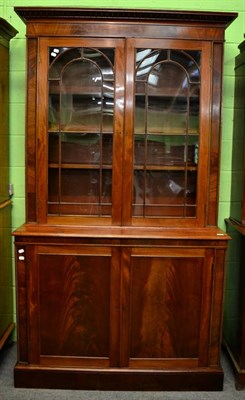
[234, 35]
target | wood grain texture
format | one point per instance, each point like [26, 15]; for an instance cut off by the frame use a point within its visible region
[165, 300]
[74, 311]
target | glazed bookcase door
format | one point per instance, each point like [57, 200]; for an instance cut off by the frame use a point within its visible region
[81, 130]
[168, 132]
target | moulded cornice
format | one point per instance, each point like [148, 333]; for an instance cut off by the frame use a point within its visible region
[223, 19]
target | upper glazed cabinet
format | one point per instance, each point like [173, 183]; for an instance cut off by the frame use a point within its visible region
[148, 139]
[125, 128]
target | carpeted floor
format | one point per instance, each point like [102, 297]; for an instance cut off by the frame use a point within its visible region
[8, 392]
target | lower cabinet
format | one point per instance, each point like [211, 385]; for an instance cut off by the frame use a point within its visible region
[123, 314]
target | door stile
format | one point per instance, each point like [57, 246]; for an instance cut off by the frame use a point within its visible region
[117, 176]
[115, 311]
[204, 338]
[128, 137]
[32, 278]
[42, 132]
[125, 311]
[205, 134]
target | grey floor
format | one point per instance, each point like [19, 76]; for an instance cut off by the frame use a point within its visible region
[8, 392]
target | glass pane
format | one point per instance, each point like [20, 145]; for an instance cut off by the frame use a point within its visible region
[164, 193]
[166, 132]
[191, 187]
[140, 114]
[81, 89]
[81, 120]
[107, 109]
[53, 147]
[54, 105]
[165, 150]
[53, 185]
[107, 149]
[80, 186]
[59, 57]
[145, 59]
[81, 97]
[194, 109]
[80, 148]
[80, 191]
[167, 115]
[190, 61]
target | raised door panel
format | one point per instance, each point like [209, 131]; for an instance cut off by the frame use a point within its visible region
[73, 297]
[167, 302]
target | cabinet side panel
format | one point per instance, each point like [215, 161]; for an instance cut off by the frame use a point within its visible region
[31, 130]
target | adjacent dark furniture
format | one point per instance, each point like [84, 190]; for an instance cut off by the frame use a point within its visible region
[234, 317]
[7, 32]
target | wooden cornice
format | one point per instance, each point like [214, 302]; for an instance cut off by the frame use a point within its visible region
[7, 31]
[28, 14]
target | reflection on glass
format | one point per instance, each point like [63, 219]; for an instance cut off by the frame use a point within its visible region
[165, 150]
[166, 132]
[194, 109]
[107, 149]
[80, 148]
[167, 115]
[87, 192]
[164, 192]
[61, 56]
[80, 110]
[81, 89]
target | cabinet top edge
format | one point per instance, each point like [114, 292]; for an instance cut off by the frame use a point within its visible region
[29, 14]
[208, 233]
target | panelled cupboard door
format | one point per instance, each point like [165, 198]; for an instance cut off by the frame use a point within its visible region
[167, 300]
[73, 305]
[127, 134]
[167, 132]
